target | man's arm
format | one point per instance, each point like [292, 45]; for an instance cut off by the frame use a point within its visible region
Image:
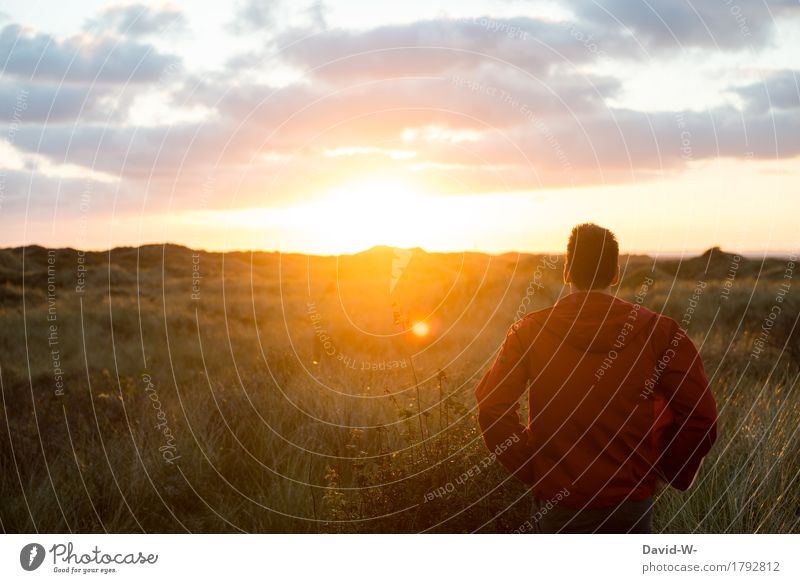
[498, 395]
[694, 429]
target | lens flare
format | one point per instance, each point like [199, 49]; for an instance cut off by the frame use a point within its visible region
[421, 329]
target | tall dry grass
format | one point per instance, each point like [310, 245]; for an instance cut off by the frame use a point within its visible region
[276, 434]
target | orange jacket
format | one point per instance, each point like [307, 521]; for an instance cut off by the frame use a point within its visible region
[617, 396]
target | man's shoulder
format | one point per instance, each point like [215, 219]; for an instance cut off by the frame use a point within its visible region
[666, 333]
[659, 321]
[665, 323]
[531, 321]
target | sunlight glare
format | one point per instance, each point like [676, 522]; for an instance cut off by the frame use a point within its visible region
[420, 329]
[360, 215]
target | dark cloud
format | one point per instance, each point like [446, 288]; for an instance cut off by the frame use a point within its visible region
[779, 90]
[50, 102]
[547, 135]
[254, 16]
[130, 152]
[670, 24]
[38, 196]
[265, 16]
[138, 20]
[437, 47]
[80, 59]
[492, 104]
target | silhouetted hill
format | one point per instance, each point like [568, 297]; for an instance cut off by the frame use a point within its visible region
[175, 261]
[718, 264]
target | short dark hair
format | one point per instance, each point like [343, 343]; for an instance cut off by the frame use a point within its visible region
[592, 256]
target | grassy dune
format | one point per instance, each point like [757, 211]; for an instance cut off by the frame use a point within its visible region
[279, 393]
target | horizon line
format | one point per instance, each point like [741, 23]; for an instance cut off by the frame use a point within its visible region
[667, 254]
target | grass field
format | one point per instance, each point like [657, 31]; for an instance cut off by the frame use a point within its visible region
[161, 389]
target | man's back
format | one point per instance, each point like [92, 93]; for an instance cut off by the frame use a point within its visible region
[618, 397]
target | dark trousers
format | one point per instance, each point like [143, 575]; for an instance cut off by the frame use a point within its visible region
[627, 517]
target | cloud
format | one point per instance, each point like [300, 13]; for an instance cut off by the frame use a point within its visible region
[316, 14]
[253, 16]
[476, 105]
[617, 29]
[38, 196]
[436, 47]
[268, 140]
[382, 109]
[138, 20]
[50, 102]
[671, 24]
[778, 91]
[89, 77]
[80, 59]
[267, 17]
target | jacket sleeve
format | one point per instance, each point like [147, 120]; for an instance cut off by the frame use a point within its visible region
[693, 431]
[498, 395]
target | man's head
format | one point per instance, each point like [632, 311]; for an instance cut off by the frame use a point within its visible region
[592, 258]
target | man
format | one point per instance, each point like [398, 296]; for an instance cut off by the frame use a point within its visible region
[618, 401]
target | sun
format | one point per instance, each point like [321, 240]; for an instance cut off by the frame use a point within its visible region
[353, 216]
[421, 329]
[359, 215]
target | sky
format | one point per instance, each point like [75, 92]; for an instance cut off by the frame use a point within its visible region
[331, 126]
